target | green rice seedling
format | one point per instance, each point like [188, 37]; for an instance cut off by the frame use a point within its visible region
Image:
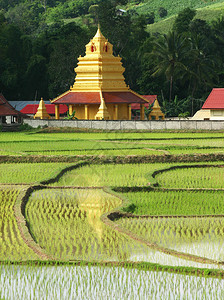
[212, 177]
[110, 143]
[29, 172]
[12, 246]
[196, 236]
[100, 282]
[78, 237]
[114, 175]
[87, 238]
[170, 203]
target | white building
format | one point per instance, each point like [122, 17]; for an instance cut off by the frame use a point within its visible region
[213, 108]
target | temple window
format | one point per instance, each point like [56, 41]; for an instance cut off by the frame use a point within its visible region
[105, 47]
[93, 47]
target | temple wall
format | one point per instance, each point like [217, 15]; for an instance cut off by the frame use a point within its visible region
[79, 111]
[110, 109]
[123, 111]
[135, 125]
[93, 109]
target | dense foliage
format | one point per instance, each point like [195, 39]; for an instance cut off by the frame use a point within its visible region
[39, 47]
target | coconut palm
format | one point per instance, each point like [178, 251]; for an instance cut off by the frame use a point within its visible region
[200, 66]
[170, 54]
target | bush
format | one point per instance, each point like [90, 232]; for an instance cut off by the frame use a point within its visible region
[162, 12]
[150, 18]
[25, 127]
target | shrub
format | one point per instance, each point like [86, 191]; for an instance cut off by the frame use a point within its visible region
[162, 12]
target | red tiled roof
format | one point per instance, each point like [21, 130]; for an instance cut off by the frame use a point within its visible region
[94, 98]
[150, 98]
[122, 97]
[6, 109]
[79, 98]
[215, 100]
[31, 109]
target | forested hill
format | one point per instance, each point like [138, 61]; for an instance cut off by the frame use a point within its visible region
[35, 15]
[40, 41]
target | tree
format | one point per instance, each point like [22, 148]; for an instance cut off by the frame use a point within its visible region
[26, 16]
[150, 18]
[169, 55]
[12, 65]
[162, 12]
[200, 27]
[182, 21]
[201, 64]
[94, 11]
[64, 47]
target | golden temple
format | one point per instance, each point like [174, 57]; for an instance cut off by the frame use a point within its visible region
[99, 91]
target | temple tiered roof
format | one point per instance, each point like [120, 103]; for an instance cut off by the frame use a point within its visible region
[99, 70]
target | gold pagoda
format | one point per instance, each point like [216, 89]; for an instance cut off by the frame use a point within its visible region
[99, 91]
[42, 111]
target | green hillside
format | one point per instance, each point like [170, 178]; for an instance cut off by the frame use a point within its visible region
[173, 7]
[41, 40]
[209, 13]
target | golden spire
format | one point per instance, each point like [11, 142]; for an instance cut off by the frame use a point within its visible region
[99, 34]
[99, 68]
[102, 113]
[42, 111]
[156, 105]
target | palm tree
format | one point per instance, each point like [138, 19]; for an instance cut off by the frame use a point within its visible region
[200, 66]
[170, 54]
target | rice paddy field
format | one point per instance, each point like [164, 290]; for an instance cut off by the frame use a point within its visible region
[111, 215]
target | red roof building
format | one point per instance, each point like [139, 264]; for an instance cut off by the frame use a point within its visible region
[213, 108]
[151, 99]
[156, 113]
[31, 109]
[8, 114]
[215, 100]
